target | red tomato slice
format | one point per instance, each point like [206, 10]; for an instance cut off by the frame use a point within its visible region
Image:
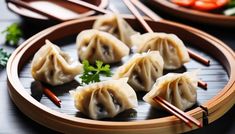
[184, 3]
[207, 5]
[221, 3]
[204, 6]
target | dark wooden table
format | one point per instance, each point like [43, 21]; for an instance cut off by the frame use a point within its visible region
[13, 121]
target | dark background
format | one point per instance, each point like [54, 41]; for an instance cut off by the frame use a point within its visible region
[13, 121]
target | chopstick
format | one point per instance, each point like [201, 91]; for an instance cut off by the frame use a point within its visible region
[202, 84]
[155, 17]
[146, 10]
[39, 11]
[52, 97]
[186, 121]
[90, 6]
[180, 114]
[47, 92]
[138, 16]
[198, 57]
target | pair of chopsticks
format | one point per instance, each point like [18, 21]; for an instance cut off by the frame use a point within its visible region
[169, 107]
[177, 112]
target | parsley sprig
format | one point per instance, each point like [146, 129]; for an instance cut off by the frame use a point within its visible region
[4, 56]
[92, 74]
[13, 34]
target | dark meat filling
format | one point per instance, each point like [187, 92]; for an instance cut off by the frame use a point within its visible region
[105, 50]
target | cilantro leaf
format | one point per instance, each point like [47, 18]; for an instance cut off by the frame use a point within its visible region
[13, 34]
[92, 74]
[4, 56]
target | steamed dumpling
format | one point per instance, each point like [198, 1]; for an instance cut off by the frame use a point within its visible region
[53, 66]
[142, 70]
[105, 99]
[171, 48]
[115, 25]
[177, 89]
[95, 45]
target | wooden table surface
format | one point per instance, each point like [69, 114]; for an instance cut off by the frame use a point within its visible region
[13, 121]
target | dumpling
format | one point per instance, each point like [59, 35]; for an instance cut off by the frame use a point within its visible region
[105, 99]
[95, 45]
[53, 66]
[171, 48]
[117, 26]
[142, 70]
[177, 89]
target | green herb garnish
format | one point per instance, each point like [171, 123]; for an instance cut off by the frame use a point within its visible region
[92, 74]
[4, 56]
[13, 34]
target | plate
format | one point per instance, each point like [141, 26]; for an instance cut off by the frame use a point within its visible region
[63, 9]
[212, 103]
[193, 15]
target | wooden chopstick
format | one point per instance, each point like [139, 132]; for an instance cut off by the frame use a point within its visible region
[90, 6]
[186, 121]
[39, 11]
[181, 113]
[202, 84]
[146, 10]
[52, 97]
[155, 17]
[198, 57]
[138, 16]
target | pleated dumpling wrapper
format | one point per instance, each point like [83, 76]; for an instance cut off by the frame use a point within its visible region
[142, 70]
[117, 26]
[105, 99]
[171, 48]
[177, 89]
[53, 66]
[95, 45]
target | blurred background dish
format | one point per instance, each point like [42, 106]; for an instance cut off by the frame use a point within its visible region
[60, 8]
[215, 17]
